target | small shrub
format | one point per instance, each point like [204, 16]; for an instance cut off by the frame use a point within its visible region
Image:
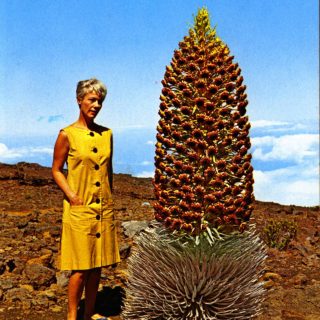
[278, 234]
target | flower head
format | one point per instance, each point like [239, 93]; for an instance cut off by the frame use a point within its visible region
[187, 93]
[186, 125]
[209, 106]
[200, 102]
[197, 133]
[186, 110]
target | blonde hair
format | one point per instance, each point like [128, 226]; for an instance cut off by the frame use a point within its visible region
[91, 85]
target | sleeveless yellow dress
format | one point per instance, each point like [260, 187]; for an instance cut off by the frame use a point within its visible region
[89, 237]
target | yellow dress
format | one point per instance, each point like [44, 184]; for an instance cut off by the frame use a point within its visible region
[88, 231]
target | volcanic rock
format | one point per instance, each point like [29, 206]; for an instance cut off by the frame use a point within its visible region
[132, 228]
[31, 213]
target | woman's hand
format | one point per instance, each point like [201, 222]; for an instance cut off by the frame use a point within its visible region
[75, 200]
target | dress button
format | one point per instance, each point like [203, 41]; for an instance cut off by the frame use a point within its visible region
[95, 150]
[98, 217]
[98, 184]
[97, 167]
[98, 234]
[97, 200]
[91, 134]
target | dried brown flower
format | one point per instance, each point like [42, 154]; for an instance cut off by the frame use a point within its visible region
[203, 137]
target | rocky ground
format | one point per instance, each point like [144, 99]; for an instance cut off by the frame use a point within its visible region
[32, 288]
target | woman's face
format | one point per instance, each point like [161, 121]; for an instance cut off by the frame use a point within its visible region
[90, 105]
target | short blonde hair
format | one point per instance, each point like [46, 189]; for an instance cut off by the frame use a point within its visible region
[91, 85]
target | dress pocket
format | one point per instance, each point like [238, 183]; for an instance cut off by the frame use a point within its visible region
[82, 219]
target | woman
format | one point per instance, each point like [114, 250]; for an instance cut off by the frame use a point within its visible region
[88, 239]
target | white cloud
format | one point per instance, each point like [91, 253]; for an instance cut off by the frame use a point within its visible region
[145, 174]
[296, 147]
[267, 123]
[146, 163]
[45, 150]
[293, 127]
[11, 154]
[6, 153]
[293, 185]
[275, 127]
[150, 142]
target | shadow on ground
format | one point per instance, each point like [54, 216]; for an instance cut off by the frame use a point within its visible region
[109, 302]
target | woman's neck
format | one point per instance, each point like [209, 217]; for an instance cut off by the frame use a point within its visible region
[85, 124]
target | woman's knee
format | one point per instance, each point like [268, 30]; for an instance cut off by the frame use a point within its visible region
[79, 275]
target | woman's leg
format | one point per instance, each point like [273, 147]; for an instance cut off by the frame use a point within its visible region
[91, 289]
[75, 288]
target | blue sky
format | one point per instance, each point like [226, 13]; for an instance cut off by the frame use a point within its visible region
[47, 46]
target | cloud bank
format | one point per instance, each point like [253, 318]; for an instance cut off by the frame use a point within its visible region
[13, 155]
[297, 182]
[295, 147]
[285, 158]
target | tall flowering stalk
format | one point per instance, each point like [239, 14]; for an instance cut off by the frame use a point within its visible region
[203, 172]
[203, 183]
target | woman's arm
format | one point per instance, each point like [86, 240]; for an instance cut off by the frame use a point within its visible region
[60, 155]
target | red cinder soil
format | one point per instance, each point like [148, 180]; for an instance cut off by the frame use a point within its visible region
[31, 287]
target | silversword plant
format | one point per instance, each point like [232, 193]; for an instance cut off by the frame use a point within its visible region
[199, 261]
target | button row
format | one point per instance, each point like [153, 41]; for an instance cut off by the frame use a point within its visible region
[96, 167]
